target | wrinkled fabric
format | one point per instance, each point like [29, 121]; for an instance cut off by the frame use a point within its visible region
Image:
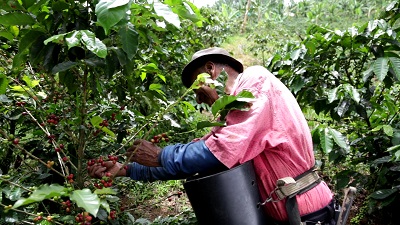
[275, 135]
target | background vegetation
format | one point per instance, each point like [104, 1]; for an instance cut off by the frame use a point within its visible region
[80, 80]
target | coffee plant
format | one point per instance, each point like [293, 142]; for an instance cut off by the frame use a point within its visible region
[350, 80]
[79, 80]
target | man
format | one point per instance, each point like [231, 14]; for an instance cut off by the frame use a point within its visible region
[273, 133]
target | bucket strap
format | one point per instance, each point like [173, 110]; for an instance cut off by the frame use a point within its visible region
[289, 187]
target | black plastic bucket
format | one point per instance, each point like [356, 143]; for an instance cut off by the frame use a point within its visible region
[230, 197]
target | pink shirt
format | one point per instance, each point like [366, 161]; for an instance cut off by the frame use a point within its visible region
[275, 134]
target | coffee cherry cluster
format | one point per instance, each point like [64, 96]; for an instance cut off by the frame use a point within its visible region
[113, 116]
[50, 164]
[67, 206]
[58, 149]
[113, 159]
[113, 215]
[16, 141]
[106, 181]
[158, 138]
[104, 123]
[84, 218]
[53, 119]
[38, 218]
[51, 137]
[70, 178]
[20, 104]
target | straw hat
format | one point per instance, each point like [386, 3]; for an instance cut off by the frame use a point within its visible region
[215, 54]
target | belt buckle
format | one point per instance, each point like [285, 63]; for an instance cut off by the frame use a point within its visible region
[271, 198]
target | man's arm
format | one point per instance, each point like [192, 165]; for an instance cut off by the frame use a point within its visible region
[177, 161]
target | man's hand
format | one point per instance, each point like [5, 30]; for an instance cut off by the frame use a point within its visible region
[99, 171]
[206, 94]
[144, 152]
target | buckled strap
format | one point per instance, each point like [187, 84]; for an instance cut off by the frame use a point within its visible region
[288, 186]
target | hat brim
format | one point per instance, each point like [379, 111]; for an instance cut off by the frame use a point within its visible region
[217, 58]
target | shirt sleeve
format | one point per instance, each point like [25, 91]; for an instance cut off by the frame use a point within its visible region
[177, 161]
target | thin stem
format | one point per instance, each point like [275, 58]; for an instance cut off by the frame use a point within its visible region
[17, 185]
[82, 140]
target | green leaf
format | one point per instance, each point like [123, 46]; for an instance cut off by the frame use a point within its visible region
[326, 140]
[221, 103]
[110, 13]
[129, 39]
[332, 94]
[94, 44]
[63, 66]
[43, 192]
[58, 39]
[105, 205]
[6, 35]
[377, 128]
[28, 39]
[155, 87]
[224, 101]
[395, 64]
[86, 199]
[3, 84]
[166, 12]
[203, 124]
[381, 67]
[108, 131]
[16, 18]
[339, 138]
[105, 191]
[73, 39]
[388, 130]
[29, 82]
[162, 77]
[352, 91]
[384, 193]
[96, 120]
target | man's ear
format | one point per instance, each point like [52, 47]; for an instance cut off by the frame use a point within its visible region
[210, 68]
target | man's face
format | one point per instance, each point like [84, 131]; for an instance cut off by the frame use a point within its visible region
[204, 94]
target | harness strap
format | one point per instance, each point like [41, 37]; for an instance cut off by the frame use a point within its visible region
[288, 188]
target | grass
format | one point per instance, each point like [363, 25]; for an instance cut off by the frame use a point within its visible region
[239, 47]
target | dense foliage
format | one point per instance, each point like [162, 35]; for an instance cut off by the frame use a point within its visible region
[78, 81]
[350, 79]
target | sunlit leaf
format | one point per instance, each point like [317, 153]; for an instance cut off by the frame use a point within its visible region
[59, 38]
[395, 64]
[94, 44]
[3, 84]
[339, 138]
[352, 91]
[110, 13]
[388, 130]
[104, 191]
[44, 192]
[381, 67]
[332, 94]
[326, 140]
[166, 12]
[86, 199]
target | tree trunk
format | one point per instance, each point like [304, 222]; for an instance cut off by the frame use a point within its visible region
[245, 17]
